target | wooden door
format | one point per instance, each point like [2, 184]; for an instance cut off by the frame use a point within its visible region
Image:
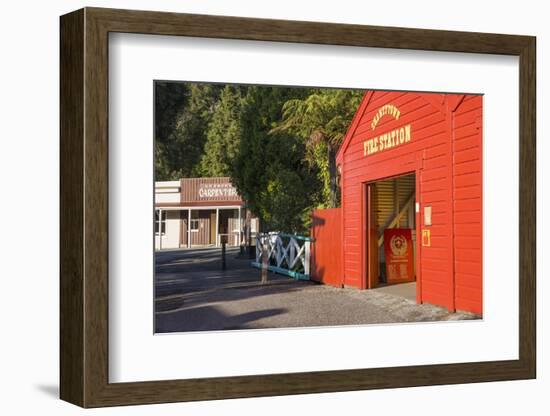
[212, 228]
[372, 238]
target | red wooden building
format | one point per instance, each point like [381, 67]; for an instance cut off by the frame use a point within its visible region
[412, 163]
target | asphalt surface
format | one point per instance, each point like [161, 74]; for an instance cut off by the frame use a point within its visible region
[192, 293]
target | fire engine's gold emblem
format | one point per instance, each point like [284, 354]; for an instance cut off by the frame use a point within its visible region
[398, 245]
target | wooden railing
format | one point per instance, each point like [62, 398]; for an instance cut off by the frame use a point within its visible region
[287, 254]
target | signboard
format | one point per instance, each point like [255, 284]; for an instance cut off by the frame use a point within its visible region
[208, 190]
[398, 249]
[389, 139]
[217, 190]
[427, 215]
[426, 238]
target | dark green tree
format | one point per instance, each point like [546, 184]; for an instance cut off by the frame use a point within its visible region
[170, 100]
[277, 144]
[223, 134]
[322, 119]
[182, 115]
[269, 169]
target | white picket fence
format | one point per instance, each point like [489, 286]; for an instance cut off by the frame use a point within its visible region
[287, 254]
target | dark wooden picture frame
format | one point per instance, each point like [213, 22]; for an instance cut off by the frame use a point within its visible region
[84, 207]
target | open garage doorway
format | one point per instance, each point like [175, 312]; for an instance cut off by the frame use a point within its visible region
[391, 234]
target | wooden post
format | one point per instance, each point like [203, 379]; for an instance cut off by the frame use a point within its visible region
[223, 255]
[189, 228]
[264, 258]
[307, 256]
[240, 230]
[248, 234]
[160, 229]
[217, 225]
[292, 254]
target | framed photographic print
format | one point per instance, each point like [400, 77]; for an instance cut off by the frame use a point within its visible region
[255, 207]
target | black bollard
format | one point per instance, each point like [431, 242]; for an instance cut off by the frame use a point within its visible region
[223, 255]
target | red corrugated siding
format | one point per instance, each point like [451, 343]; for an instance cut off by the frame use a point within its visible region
[446, 154]
[467, 163]
[427, 126]
[326, 262]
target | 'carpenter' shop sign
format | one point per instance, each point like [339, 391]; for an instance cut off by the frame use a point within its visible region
[390, 139]
[398, 249]
[217, 190]
[202, 190]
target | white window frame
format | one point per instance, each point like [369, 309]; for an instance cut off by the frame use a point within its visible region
[194, 221]
[162, 224]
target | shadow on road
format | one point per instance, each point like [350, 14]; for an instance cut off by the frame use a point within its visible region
[211, 318]
[192, 293]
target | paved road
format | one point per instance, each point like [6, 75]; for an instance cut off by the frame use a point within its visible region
[193, 294]
[191, 270]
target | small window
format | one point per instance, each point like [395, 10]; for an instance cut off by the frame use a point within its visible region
[237, 225]
[194, 226]
[160, 224]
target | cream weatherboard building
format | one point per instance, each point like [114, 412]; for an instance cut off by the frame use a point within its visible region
[201, 212]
